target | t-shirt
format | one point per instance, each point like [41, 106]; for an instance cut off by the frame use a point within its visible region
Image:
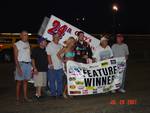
[52, 50]
[24, 54]
[101, 53]
[120, 50]
[82, 49]
[40, 57]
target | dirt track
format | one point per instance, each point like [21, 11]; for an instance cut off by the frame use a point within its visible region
[137, 87]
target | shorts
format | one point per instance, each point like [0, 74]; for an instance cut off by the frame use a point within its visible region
[26, 69]
[40, 80]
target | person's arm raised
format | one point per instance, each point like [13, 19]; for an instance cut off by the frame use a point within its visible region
[60, 53]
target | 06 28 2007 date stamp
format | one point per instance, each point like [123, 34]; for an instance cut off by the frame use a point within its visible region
[123, 102]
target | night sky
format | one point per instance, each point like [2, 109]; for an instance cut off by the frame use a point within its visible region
[133, 15]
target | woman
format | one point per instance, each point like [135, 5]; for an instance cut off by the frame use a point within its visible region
[103, 51]
[65, 54]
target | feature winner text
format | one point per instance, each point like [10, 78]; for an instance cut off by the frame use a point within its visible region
[99, 77]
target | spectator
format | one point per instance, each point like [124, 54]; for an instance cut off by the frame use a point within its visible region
[120, 49]
[40, 67]
[23, 65]
[103, 51]
[55, 72]
[82, 49]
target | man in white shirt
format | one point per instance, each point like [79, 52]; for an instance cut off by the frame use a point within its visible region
[103, 51]
[55, 72]
[23, 64]
[120, 49]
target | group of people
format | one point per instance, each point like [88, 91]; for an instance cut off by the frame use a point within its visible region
[48, 61]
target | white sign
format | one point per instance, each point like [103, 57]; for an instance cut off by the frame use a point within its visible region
[99, 77]
[56, 25]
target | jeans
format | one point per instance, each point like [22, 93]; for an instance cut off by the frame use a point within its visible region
[55, 78]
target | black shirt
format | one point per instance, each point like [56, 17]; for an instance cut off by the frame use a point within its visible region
[40, 57]
[81, 50]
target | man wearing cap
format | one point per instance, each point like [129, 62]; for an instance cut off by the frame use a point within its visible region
[40, 66]
[120, 49]
[103, 51]
[55, 72]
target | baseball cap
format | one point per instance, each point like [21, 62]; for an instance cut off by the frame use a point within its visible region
[40, 39]
[103, 38]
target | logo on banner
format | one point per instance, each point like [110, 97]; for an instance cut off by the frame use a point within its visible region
[74, 70]
[113, 61]
[85, 92]
[75, 92]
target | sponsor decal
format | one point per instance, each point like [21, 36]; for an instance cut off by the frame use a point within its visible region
[79, 82]
[72, 86]
[75, 92]
[80, 87]
[113, 61]
[85, 92]
[104, 64]
[106, 89]
[90, 88]
[75, 71]
[72, 79]
[95, 91]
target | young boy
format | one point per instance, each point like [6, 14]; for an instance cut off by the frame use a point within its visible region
[40, 66]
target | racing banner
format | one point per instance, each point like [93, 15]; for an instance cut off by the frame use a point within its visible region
[99, 77]
[56, 25]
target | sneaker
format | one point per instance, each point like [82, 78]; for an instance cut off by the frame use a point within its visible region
[31, 81]
[113, 91]
[48, 93]
[27, 100]
[65, 96]
[122, 91]
[36, 98]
